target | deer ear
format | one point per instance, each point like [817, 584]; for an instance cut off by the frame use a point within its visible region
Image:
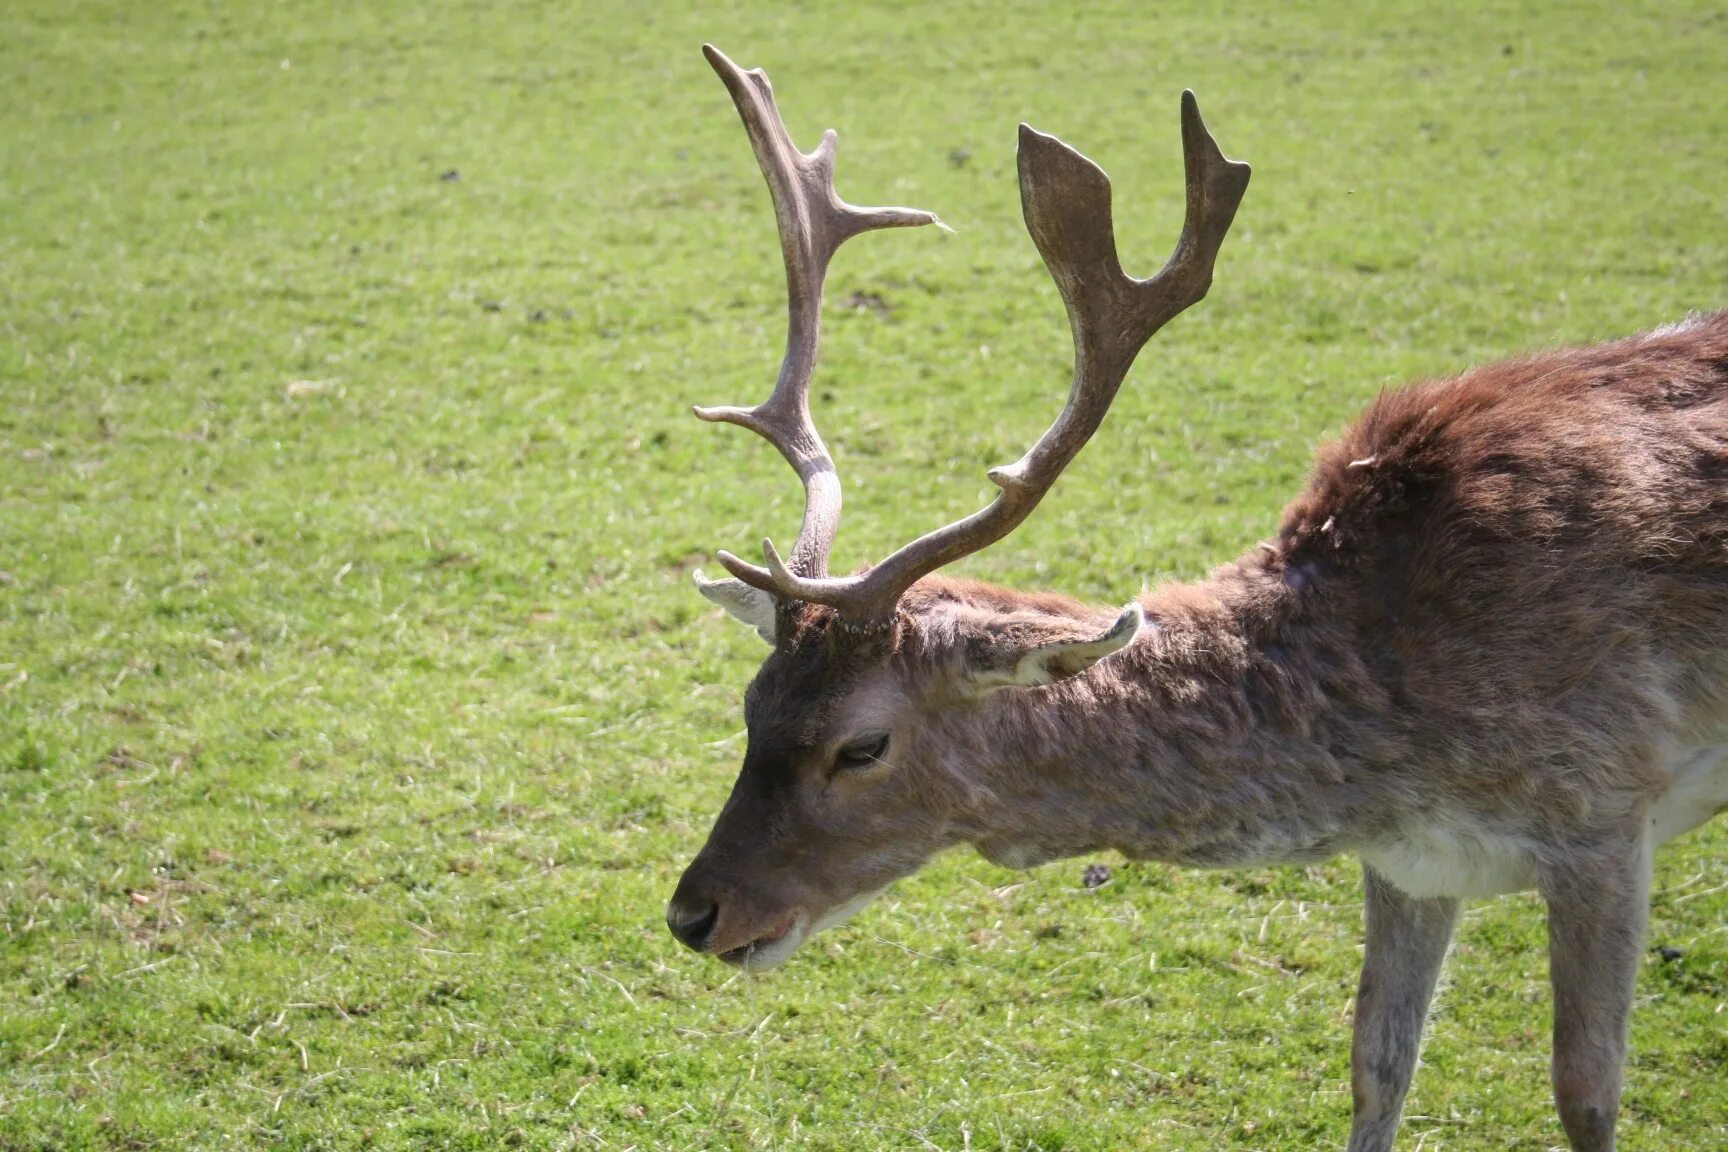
[743, 603]
[1053, 660]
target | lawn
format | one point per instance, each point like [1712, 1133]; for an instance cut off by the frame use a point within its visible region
[356, 711]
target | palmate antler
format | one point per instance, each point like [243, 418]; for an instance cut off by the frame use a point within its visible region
[1066, 201]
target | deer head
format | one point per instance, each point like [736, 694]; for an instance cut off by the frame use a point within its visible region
[863, 720]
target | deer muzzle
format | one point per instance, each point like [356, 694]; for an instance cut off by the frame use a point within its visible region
[750, 932]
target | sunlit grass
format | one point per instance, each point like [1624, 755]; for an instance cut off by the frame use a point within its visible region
[356, 714]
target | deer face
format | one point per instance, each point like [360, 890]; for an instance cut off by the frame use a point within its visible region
[836, 798]
[853, 777]
[864, 759]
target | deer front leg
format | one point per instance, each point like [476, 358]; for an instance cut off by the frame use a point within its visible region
[1597, 906]
[1407, 941]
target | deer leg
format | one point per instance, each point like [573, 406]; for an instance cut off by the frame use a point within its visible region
[1597, 906]
[1407, 941]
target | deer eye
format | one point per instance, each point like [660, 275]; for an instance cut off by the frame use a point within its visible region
[865, 752]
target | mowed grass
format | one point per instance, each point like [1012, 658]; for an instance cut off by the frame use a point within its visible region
[357, 715]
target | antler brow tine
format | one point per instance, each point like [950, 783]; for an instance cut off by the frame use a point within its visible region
[813, 222]
[1066, 201]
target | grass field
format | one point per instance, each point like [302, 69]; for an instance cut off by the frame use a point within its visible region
[357, 715]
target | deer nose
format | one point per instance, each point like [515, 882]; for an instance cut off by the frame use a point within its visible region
[694, 927]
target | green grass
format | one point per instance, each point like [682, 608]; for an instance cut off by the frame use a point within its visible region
[356, 714]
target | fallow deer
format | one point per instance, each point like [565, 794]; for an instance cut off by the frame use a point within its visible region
[1485, 652]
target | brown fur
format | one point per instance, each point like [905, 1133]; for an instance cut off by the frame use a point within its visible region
[1500, 609]
[1510, 609]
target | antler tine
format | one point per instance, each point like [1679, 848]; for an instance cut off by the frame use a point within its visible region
[813, 222]
[1066, 201]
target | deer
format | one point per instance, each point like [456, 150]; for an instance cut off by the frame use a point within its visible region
[1487, 650]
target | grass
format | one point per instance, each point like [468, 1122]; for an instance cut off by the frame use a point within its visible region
[356, 714]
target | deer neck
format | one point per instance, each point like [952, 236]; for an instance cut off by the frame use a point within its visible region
[1226, 735]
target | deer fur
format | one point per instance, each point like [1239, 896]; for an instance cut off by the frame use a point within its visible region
[1487, 651]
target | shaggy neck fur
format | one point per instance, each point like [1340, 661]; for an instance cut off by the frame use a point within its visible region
[1499, 605]
[1235, 730]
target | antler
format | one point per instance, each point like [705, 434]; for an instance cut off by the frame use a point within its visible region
[1066, 201]
[813, 223]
